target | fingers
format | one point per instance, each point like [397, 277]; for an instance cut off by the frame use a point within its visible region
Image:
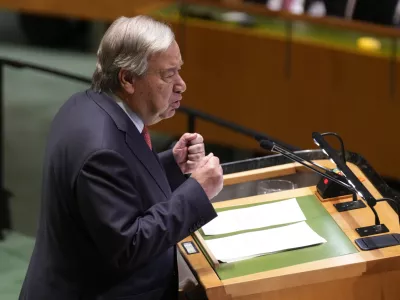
[213, 161]
[196, 152]
[184, 140]
[189, 152]
[198, 139]
[205, 160]
[195, 157]
[221, 171]
[188, 137]
[199, 148]
[191, 139]
[210, 159]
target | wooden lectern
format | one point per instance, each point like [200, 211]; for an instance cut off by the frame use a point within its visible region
[338, 269]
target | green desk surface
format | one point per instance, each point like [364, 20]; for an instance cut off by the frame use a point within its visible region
[301, 31]
[318, 219]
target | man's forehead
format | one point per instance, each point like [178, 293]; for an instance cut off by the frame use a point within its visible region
[179, 61]
[165, 64]
[169, 58]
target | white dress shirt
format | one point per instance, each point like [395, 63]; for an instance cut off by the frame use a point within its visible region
[133, 116]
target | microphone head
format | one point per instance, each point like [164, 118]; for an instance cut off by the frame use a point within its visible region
[267, 144]
[315, 135]
[259, 137]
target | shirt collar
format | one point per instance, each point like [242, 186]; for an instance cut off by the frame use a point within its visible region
[133, 116]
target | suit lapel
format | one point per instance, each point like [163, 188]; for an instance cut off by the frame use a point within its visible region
[139, 147]
[133, 139]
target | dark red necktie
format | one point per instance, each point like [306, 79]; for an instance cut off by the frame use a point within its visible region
[286, 4]
[146, 136]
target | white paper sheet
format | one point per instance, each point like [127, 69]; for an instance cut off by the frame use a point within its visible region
[252, 244]
[277, 213]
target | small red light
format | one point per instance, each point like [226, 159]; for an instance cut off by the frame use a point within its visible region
[326, 181]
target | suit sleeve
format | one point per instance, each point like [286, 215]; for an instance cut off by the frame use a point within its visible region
[172, 170]
[111, 207]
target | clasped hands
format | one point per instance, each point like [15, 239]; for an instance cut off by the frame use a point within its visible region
[189, 154]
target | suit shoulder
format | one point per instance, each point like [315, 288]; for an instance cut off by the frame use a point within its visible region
[82, 125]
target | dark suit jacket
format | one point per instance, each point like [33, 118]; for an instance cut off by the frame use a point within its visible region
[112, 210]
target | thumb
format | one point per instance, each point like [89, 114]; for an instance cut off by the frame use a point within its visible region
[205, 160]
[191, 137]
[186, 139]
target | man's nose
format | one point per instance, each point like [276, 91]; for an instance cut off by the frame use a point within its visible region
[180, 86]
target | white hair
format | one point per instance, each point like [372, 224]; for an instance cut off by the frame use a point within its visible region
[127, 44]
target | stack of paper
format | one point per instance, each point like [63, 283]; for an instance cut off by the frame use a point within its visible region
[277, 213]
[252, 244]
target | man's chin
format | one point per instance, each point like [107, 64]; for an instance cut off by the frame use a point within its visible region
[168, 114]
[165, 115]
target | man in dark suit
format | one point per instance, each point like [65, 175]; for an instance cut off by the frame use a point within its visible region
[112, 209]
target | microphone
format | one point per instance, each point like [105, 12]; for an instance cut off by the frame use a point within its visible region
[262, 137]
[348, 180]
[273, 147]
[352, 179]
[342, 166]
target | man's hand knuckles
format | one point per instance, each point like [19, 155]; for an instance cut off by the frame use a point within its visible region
[195, 156]
[196, 148]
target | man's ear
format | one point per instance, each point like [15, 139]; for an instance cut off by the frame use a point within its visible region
[126, 81]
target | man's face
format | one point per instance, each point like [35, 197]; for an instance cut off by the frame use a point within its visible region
[158, 93]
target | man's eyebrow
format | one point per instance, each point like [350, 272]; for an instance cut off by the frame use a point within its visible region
[180, 63]
[175, 67]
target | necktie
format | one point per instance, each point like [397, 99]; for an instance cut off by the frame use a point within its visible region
[146, 136]
[286, 5]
